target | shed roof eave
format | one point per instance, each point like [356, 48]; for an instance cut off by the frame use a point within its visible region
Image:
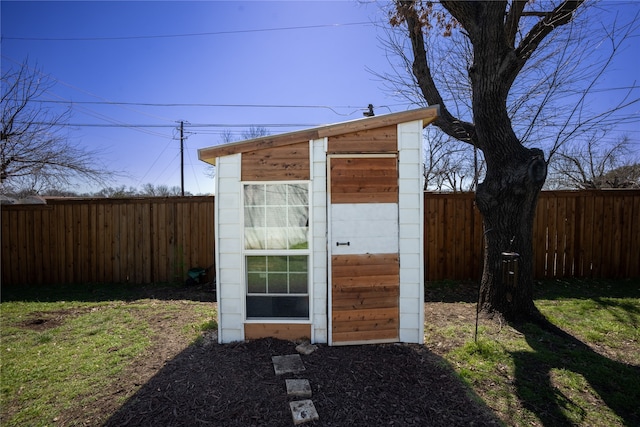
[427, 115]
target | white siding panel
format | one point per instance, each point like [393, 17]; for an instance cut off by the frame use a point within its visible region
[409, 229]
[409, 246]
[409, 200]
[229, 234]
[411, 335]
[411, 232]
[367, 227]
[410, 135]
[231, 306]
[228, 216]
[408, 172]
[408, 306]
[231, 246]
[231, 262]
[230, 231]
[319, 240]
[320, 212]
[228, 201]
[231, 291]
[320, 309]
[412, 277]
[228, 167]
[410, 216]
[229, 335]
[363, 211]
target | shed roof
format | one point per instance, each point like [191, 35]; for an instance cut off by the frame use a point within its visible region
[427, 115]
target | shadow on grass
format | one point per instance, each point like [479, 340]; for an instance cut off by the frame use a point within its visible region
[235, 385]
[587, 289]
[557, 352]
[451, 291]
[97, 292]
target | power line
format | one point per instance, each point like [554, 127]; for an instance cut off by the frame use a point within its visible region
[161, 36]
[195, 104]
[207, 105]
[195, 125]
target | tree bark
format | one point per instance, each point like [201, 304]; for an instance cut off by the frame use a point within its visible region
[507, 200]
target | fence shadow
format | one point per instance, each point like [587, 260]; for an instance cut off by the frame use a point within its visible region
[557, 351]
[97, 292]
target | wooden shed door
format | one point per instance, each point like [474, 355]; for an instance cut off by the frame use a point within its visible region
[363, 250]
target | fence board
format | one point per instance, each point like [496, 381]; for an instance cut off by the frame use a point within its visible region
[634, 241]
[143, 240]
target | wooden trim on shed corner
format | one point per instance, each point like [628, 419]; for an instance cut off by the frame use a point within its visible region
[427, 115]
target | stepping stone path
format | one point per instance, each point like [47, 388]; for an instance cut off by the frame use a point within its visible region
[301, 410]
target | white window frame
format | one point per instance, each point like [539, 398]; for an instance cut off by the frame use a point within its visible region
[279, 252]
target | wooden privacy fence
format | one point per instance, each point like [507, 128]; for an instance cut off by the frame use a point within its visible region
[594, 233]
[140, 240]
[576, 234]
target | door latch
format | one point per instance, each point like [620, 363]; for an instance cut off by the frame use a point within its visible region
[343, 243]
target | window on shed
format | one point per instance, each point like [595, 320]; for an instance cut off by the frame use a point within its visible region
[276, 229]
[276, 216]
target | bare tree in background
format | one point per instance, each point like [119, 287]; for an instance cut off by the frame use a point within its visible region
[34, 150]
[507, 75]
[449, 164]
[595, 165]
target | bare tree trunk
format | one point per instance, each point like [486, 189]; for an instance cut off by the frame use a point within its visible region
[507, 200]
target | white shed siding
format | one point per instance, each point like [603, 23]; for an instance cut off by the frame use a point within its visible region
[229, 253]
[319, 241]
[411, 230]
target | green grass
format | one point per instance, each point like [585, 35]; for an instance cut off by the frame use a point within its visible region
[60, 355]
[530, 376]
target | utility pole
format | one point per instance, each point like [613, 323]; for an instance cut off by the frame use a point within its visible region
[182, 157]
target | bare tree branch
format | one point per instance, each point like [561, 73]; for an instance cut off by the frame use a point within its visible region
[461, 130]
[32, 146]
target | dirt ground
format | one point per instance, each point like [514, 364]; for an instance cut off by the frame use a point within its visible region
[175, 384]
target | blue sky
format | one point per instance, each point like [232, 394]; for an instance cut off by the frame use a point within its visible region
[279, 53]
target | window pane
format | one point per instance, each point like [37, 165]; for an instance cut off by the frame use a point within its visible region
[278, 263]
[254, 216]
[277, 306]
[298, 195]
[254, 232]
[257, 283]
[298, 216]
[278, 283]
[276, 194]
[256, 263]
[255, 238]
[298, 283]
[254, 194]
[298, 263]
[276, 216]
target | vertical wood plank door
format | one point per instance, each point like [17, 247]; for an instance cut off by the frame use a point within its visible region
[363, 249]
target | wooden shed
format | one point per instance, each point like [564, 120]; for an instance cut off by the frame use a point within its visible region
[319, 232]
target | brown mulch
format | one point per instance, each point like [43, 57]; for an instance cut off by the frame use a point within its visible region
[235, 385]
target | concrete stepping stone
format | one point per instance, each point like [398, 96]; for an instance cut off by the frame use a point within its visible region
[298, 388]
[303, 411]
[291, 363]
